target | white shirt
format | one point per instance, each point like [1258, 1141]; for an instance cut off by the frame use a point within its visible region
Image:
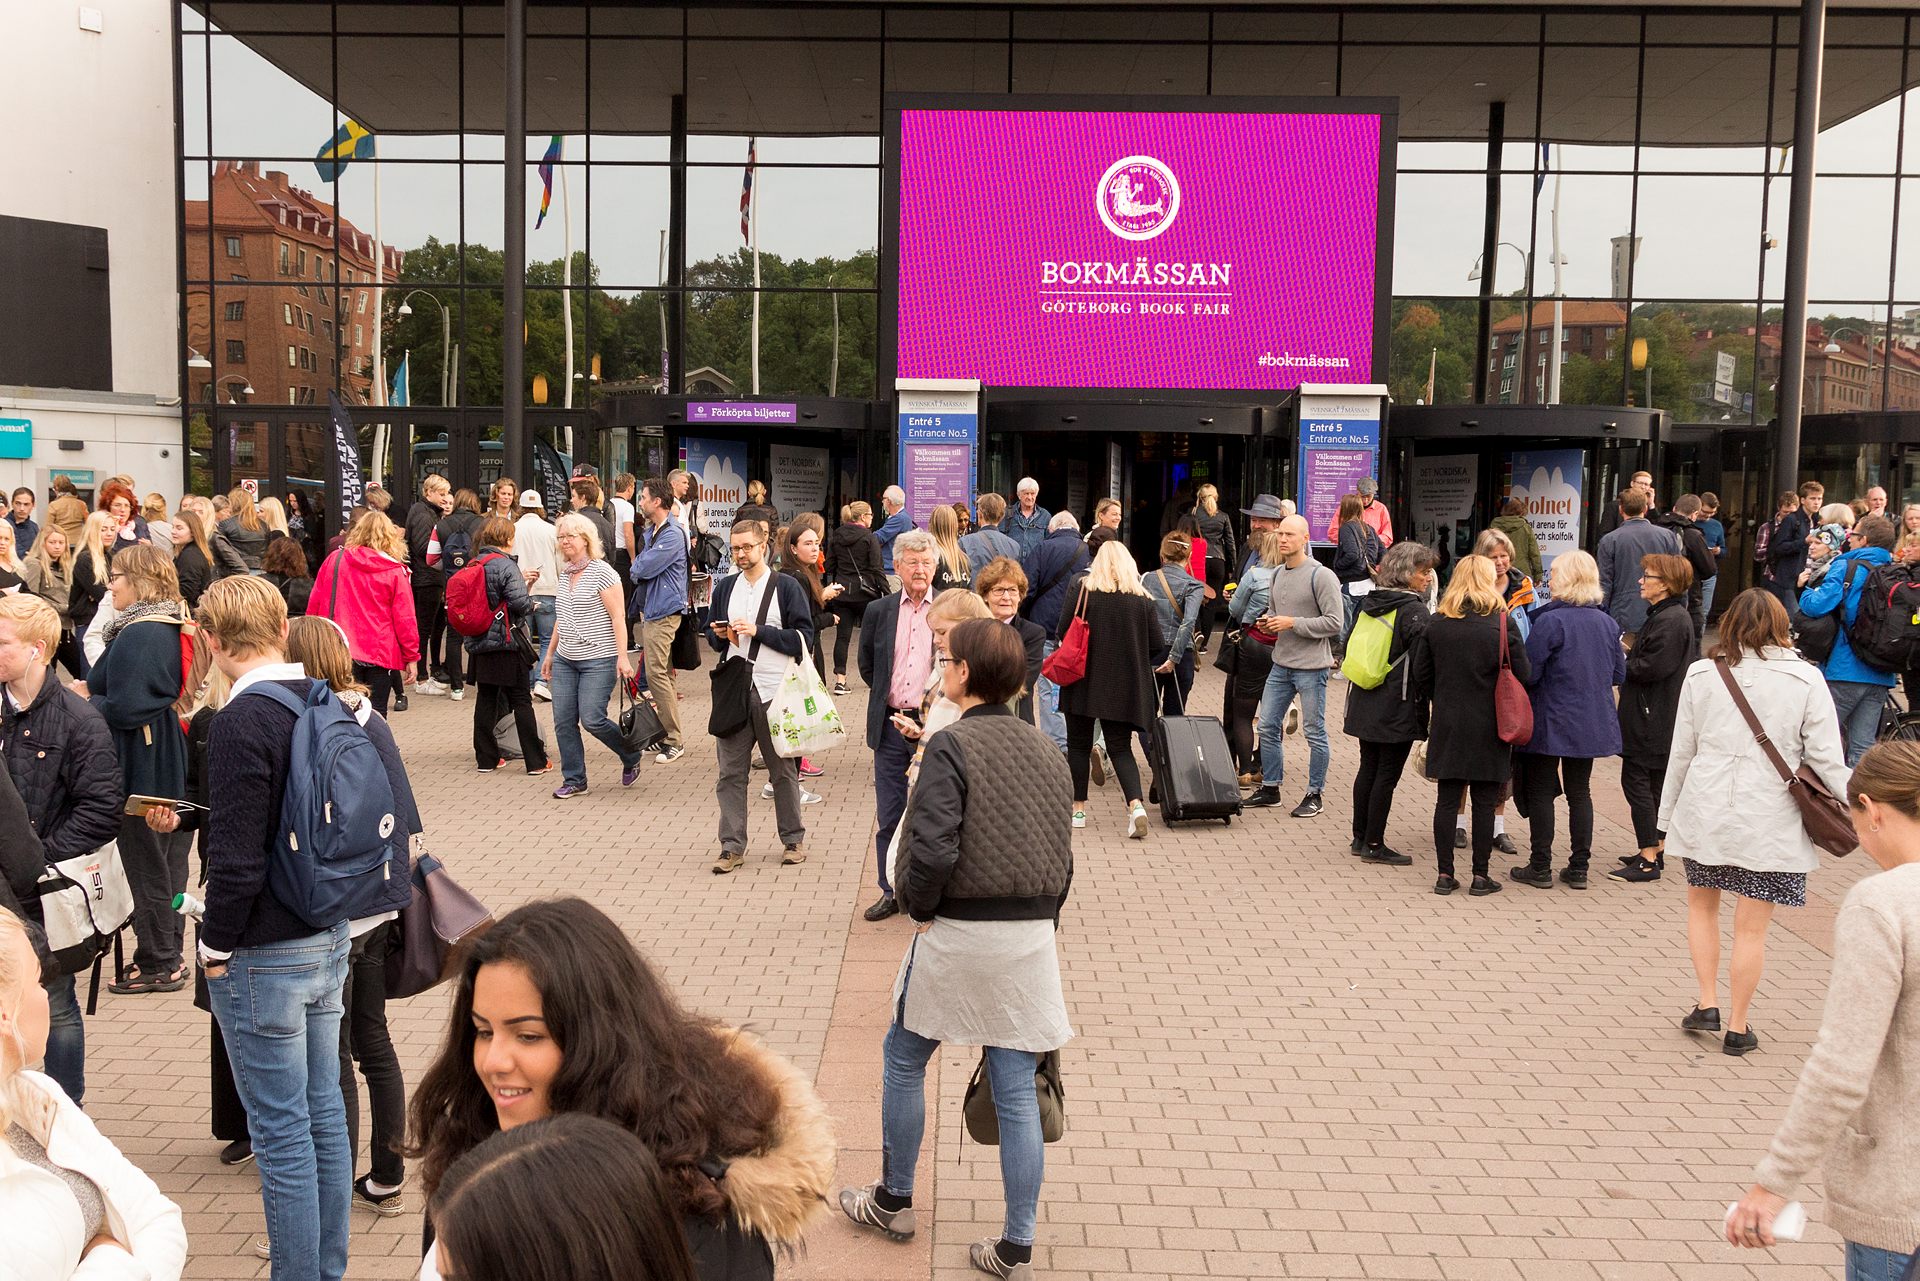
[536, 547]
[622, 523]
[744, 607]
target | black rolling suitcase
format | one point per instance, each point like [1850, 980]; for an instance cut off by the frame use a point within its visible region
[1193, 768]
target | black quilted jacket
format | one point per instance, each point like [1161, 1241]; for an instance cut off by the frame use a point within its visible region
[987, 836]
[60, 756]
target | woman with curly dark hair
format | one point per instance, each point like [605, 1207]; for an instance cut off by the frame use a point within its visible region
[554, 1012]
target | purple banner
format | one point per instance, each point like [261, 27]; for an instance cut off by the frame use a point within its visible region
[936, 476]
[741, 411]
[1234, 251]
[1326, 476]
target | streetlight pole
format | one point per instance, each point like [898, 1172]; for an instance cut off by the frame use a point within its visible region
[446, 338]
[833, 370]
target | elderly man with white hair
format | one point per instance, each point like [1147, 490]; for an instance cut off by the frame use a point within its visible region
[896, 662]
[1026, 522]
[897, 522]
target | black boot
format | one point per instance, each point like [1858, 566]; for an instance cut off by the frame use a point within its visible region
[1541, 878]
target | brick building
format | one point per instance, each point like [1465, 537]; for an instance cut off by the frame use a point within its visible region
[279, 326]
[1856, 378]
[1518, 354]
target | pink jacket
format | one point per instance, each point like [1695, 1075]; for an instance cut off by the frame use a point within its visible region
[374, 608]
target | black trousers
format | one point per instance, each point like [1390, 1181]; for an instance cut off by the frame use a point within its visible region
[380, 682]
[849, 618]
[1119, 751]
[1379, 773]
[1210, 608]
[1486, 798]
[364, 1039]
[490, 704]
[156, 868]
[75, 658]
[430, 613]
[1245, 688]
[1575, 776]
[1642, 778]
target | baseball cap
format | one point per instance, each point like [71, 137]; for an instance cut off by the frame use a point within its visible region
[531, 498]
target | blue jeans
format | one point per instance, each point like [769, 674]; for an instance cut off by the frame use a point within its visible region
[278, 1006]
[542, 630]
[1859, 705]
[581, 689]
[1046, 706]
[1706, 595]
[890, 761]
[1284, 684]
[1870, 1263]
[66, 1038]
[903, 1121]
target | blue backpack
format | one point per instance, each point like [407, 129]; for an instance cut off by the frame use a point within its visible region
[341, 852]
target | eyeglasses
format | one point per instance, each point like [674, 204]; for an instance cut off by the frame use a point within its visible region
[116, 578]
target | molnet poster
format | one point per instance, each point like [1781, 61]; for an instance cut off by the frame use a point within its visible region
[1550, 482]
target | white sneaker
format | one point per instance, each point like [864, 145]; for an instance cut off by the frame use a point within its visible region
[458, 695]
[671, 755]
[263, 1248]
[1079, 818]
[541, 691]
[806, 797]
[429, 686]
[1293, 720]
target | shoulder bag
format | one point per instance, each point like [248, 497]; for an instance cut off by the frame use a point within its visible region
[640, 727]
[983, 1122]
[425, 940]
[1824, 815]
[1068, 663]
[733, 678]
[1512, 708]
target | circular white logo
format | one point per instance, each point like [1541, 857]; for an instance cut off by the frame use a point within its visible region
[386, 826]
[1138, 197]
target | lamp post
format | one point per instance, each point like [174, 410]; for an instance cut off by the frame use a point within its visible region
[446, 337]
[246, 388]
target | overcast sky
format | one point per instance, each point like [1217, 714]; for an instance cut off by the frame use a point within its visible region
[1699, 235]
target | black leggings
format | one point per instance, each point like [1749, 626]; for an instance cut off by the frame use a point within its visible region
[1210, 608]
[1119, 751]
[1245, 688]
[849, 616]
[1575, 774]
[430, 613]
[1380, 767]
[490, 705]
[1486, 797]
[380, 682]
[1642, 778]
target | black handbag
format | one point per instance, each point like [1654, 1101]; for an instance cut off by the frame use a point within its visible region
[1227, 657]
[640, 727]
[733, 678]
[983, 1121]
[522, 634]
[685, 653]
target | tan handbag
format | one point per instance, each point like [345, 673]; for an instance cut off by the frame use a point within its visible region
[983, 1122]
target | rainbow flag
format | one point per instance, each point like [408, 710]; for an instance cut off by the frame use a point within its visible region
[547, 163]
[352, 142]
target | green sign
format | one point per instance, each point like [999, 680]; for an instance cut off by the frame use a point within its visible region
[16, 437]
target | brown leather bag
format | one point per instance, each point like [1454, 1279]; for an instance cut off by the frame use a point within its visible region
[1512, 707]
[1828, 822]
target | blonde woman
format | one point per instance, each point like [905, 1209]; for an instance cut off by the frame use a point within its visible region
[89, 586]
[192, 557]
[1217, 529]
[951, 569]
[1455, 664]
[13, 570]
[1116, 695]
[273, 514]
[245, 529]
[50, 577]
[587, 651]
[90, 1212]
[225, 559]
[364, 587]
[153, 509]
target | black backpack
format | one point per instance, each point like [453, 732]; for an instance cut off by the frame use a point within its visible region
[1816, 636]
[1886, 631]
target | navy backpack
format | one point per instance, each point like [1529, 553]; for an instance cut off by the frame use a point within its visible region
[341, 851]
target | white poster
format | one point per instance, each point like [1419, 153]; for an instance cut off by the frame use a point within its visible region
[800, 479]
[1443, 493]
[1549, 481]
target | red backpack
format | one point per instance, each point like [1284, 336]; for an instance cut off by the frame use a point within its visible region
[469, 612]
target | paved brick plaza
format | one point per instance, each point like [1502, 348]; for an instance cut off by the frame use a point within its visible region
[1288, 1064]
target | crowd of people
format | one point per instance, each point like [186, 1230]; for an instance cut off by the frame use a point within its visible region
[1011, 663]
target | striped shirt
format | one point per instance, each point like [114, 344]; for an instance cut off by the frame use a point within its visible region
[580, 618]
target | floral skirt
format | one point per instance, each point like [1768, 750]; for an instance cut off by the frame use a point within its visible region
[1788, 889]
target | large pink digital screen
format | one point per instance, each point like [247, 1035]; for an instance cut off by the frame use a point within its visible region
[1137, 249]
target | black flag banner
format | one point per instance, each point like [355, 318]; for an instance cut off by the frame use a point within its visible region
[349, 490]
[550, 470]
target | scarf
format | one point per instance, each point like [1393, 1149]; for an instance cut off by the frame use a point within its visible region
[576, 566]
[167, 609]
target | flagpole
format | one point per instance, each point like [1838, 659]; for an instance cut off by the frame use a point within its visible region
[382, 434]
[566, 296]
[753, 219]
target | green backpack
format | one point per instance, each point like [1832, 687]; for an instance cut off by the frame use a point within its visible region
[1366, 665]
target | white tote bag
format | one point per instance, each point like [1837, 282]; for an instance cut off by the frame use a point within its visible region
[84, 902]
[802, 717]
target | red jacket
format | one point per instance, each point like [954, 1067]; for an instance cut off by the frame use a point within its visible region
[374, 606]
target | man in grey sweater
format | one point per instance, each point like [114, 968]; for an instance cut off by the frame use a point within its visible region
[1304, 614]
[1619, 556]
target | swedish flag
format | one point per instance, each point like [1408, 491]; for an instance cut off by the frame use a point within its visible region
[353, 142]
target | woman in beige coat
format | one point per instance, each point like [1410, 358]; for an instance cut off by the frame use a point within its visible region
[1853, 1112]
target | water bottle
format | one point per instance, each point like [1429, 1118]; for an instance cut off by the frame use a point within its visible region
[188, 905]
[1788, 1225]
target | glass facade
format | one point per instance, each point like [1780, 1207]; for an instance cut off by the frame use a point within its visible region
[1662, 129]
